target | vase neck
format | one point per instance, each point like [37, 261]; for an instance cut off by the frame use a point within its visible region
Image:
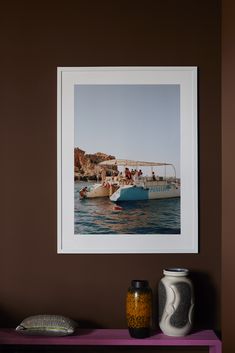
[176, 272]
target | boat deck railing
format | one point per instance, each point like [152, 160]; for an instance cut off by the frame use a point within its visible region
[140, 181]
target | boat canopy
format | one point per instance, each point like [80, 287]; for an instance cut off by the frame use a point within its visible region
[131, 163]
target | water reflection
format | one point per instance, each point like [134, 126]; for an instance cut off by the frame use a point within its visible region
[98, 216]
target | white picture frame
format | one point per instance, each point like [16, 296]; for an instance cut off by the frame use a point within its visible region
[187, 240]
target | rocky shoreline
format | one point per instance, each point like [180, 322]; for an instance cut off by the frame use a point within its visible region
[86, 166]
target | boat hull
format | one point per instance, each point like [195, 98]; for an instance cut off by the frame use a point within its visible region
[97, 190]
[136, 193]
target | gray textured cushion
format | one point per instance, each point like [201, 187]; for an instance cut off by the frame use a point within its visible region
[49, 325]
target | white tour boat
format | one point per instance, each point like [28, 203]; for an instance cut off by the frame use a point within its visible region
[104, 189]
[118, 188]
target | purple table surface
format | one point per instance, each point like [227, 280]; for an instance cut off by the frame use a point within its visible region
[112, 337]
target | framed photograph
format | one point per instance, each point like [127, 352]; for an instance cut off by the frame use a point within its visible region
[127, 160]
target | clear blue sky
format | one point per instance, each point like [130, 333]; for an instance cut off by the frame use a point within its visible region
[139, 122]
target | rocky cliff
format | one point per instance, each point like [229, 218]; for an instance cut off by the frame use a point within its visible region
[86, 166]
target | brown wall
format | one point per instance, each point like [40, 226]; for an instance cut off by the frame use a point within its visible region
[38, 36]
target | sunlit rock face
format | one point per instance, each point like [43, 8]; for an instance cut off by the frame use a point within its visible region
[87, 165]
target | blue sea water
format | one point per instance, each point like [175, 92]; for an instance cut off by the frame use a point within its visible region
[98, 216]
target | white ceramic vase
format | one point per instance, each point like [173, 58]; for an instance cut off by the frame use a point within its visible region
[176, 302]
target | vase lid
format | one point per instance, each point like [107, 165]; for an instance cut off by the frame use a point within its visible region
[176, 271]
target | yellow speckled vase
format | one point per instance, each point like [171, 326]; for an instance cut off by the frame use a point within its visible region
[139, 309]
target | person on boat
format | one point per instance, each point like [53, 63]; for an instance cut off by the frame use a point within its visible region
[83, 192]
[140, 173]
[136, 176]
[114, 175]
[153, 176]
[128, 176]
[127, 172]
